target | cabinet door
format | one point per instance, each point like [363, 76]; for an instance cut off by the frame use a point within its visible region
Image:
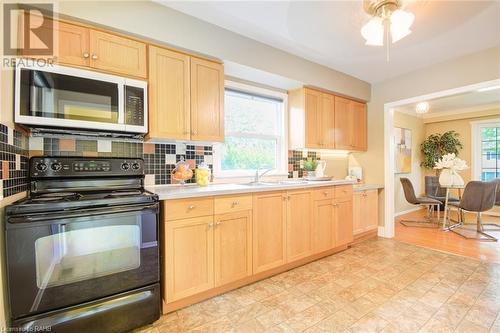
[207, 100]
[117, 54]
[298, 225]
[371, 208]
[323, 225]
[343, 222]
[312, 118]
[358, 213]
[169, 99]
[359, 137]
[73, 44]
[343, 123]
[268, 231]
[233, 247]
[327, 126]
[189, 256]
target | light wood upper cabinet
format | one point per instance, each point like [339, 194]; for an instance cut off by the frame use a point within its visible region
[298, 224]
[269, 231]
[312, 111]
[189, 257]
[117, 54]
[207, 100]
[327, 121]
[365, 211]
[323, 225]
[311, 118]
[169, 99]
[350, 124]
[233, 247]
[343, 221]
[73, 45]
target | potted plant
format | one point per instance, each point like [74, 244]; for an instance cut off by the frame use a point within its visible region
[310, 165]
[437, 145]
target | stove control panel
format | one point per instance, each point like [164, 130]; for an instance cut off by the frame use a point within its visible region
[45, 167]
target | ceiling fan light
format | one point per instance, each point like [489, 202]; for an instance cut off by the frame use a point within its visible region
[401, 22]
[373, 32]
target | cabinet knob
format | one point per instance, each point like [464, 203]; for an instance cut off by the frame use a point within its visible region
[234, 203]
[191, 207]
[325, 193]
[86, 55]
[335, 205]
[94, 56]
[218, 222]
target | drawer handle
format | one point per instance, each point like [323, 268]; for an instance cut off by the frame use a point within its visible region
[94, 56]
[234, 203]
[325, 193]
[86, 55]
[191, 207]
[335, 205]
[210, 225]
[218, 222]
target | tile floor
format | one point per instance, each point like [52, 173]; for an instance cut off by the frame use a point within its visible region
[375, 286]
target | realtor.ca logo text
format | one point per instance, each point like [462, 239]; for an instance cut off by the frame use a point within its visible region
[28, 32]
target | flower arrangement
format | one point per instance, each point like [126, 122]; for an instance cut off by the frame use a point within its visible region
[451, 161]
[449, 164]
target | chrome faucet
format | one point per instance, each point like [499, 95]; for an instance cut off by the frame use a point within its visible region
[257, 175]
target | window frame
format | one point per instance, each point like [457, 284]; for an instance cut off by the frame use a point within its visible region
[476, 144]
[282, 140]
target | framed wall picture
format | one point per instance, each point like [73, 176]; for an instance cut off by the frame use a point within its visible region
[402, 144]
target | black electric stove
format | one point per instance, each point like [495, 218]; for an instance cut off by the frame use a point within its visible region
[83, 247]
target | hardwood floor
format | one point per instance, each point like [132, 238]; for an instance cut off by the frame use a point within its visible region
[435, 238]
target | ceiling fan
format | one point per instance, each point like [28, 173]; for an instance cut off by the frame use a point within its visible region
[389, 23]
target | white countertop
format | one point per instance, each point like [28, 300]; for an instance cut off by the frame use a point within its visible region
[366, 187]
[166, 192]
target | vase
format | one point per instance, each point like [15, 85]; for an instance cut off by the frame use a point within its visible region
[450, 177]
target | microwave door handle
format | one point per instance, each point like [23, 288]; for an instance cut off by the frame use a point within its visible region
[103, 211]
[121, 102]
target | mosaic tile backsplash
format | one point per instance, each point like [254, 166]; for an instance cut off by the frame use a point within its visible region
[294, 159]
[14, 160]
[160, 159]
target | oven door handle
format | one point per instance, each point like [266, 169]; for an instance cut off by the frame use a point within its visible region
[83, 213]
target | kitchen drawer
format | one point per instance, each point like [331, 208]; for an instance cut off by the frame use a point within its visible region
[323, 193]
[188, 208]
[343, 191]
[232, 204]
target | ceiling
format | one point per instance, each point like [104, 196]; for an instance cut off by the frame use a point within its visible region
[472, 101]
[328, 32]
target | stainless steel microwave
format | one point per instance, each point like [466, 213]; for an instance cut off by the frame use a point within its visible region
[59, 96]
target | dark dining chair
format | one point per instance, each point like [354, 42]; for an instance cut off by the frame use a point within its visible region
[478, 197]
[497, 203]
[431, 205]
[434, 190]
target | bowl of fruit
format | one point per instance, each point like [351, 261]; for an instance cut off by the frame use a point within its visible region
[182, 172]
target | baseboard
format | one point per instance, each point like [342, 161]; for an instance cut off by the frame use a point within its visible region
[381, 231]
[408, 211]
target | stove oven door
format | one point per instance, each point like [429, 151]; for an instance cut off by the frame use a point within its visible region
[59, 260]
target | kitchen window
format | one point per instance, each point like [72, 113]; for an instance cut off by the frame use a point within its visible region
[255, 139]
[486, 150]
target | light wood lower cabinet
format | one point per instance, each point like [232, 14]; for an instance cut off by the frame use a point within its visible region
[298, 224]
[269, 231]
[323, 225]
[189, 257]
[365, 211]
[212, 245]
[343, 220]
[233, 247]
